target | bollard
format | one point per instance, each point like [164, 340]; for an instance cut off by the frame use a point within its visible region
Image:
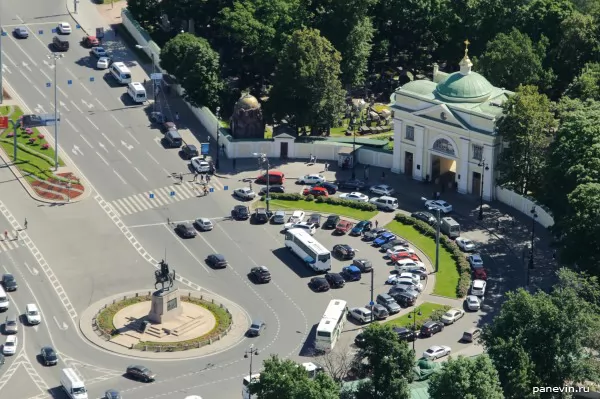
[124, 297]
[114, 301]
[212, 301]
[136, 294]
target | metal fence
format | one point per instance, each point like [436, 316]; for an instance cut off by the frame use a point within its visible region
[107, 335]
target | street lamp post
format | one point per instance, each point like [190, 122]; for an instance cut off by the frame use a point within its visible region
[55, 57]
[250, 353]
[1, 66]
[531, 265]
[372, 302]
[484, 166]
[218, 149]
[413, 314]
[263, 158]
[437, 236]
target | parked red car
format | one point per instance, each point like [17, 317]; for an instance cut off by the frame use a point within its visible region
[343, 227]
[480, 274]
[90, 41]
[275, 177]
[316, 191]
[404, 255]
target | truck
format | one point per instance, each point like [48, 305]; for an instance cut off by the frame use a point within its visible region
[73, 384]
[450, 227]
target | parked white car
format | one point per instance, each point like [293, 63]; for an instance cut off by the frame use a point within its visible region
[103, 63]
[244, 193]
[419, 270]
[200, 165]
[308, 227]
[451, 316]
[203, 224]
[442, 205]
[436, 352]
[382, 189]
[64, 28]
[403, 263]
[478, 287]
[409, 282]
[10, 346]
[362, 315]
[297, 217]
[33, 315]
[312, 179]
[355, 196]
[465, 244]
[473, 303]
[397, 249]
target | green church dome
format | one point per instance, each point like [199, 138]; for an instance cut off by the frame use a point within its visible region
[461, 87]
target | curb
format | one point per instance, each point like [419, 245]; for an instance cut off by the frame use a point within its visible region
[72, 15]
[236, 333]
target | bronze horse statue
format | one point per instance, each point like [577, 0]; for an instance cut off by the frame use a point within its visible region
[163, 277]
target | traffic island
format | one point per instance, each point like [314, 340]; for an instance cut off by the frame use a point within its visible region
[129, 323]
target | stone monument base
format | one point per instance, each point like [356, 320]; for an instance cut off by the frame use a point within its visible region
[166, 306]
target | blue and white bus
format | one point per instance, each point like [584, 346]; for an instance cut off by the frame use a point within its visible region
[331, 325]
[307, 248]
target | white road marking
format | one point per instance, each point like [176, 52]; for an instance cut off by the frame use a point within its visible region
[152, 158]
[39, 91]
[167, 173]
[102, 146]
[102, 158]
[157, 141]
[26, 77]
[116, 120]
[48, 64]
[76, 150]
[76, 107]
[120, 177]
[41, 108]
[128, 146]
[72, 126]
[32, 270]
[61, 325]
[170, 230]
[89, 105]
[75, 78]
[62, 104]
[102, 105]
[6, 69]
[8, 58]
[141, 174]
[86, 141]
[92, 123]
[133, 137]
[123, 155]
[26, 66]
[107, 139]
[24, 52]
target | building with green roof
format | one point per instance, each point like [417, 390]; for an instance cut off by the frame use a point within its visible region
[445, 129]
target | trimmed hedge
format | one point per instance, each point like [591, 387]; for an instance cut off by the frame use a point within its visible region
[464, 269]
[322, 200]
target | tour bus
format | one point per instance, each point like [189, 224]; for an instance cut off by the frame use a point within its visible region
[311, 368]
[331, 325]
[3, 299]
[137, 92]
[307, 248]
[450, 227]
[121, 73]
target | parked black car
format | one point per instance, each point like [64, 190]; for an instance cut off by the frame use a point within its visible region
[343, 251]
[364, 265]
[112, 394]
[217, 261]
[319, 284]
[331, 222]
[431, 327]
[330, 187]
[186, 230]
[189, 151]
[404, 334]
[315, 219]
[261, 215]
[392, 244]
[272, 189]
[403, 299]
[261, 274]
[335, 280]
[354, 185]
[360, 341]
[9, 282]
[48, 356]
[140, 373]
[240, 212]
[424, 217]
[373, 234]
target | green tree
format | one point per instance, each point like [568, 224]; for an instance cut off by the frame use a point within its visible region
[513, 59]
[196, 66]
[387, 361]
[306, 86]
[466, 378]
[146, 12]
[587, 84]
[356, 51]
[525, 126]
[287, 379]
[542, 17]
[532, 341]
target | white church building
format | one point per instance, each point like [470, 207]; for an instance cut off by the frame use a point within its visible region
[445, 129]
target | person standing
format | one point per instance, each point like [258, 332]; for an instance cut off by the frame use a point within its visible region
[25, 223]
[208, 178]
[326, 167]
[377, 224]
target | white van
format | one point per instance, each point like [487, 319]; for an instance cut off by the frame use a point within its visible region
[137, 92]
[121, 73]
[3, 300]
[385, 203]
[33, 314]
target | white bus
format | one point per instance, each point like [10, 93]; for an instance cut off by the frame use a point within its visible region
[311, 368]
[331, 325]
[305, 246]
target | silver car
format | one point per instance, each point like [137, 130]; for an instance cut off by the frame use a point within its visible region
[11, 325]
[203, 224]
[278, 217]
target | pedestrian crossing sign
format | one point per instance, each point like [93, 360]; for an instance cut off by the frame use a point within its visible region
[172, 193]
[151, 196]
[225, 188]
[211, 190]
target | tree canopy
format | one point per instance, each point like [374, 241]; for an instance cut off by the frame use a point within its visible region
[196, 66]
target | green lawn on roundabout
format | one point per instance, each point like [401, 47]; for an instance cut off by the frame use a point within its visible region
[105, 318]
[340, 207]
[429, 311]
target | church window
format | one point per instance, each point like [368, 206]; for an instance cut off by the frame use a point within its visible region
[410, 133]
[477, 152]
[443, 145]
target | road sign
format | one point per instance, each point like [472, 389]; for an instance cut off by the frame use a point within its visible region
[3, 122]
[268, 199]
[4, 33]
[151, 196]
[40, 32]
[78, 26]
[371, 303]
[53, 30]
[48, 84]
[91, 79]
[225, 188]
[211, 190]
[172, 193]
[69, 82]
[204, 148]
[156, 76]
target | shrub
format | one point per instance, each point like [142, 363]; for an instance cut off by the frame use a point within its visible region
[309, 197]
[286, 196]
[351, 204]
[320, 200]
[463, 267]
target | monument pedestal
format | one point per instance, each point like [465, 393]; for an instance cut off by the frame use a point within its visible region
[166, 306]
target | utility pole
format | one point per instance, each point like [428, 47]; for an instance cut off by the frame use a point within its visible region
[1, 66]
[55, 57]
[218, 149]
[372, 302]
[437, 242]
[263, 158]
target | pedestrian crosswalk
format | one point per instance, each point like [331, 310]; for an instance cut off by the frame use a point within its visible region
[163, 196]
[8, 244]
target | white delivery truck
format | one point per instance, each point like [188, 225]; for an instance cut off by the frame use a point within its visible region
[72, 384]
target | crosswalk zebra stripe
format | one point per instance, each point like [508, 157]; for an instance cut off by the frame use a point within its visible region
[117, 208]
[132, 206]
[164, 195]
[124, 207]
[177, 190]
[136, 199]
[157, 201]
[185, 191]
[145, 200]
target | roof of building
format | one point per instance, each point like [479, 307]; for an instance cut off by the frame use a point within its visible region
[469, 87]
[247, 101]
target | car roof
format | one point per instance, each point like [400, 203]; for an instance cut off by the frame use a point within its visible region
[478, 283]
[204, 220]
[279, 212]
[352, 268]
[11, 338]
[240, 207]
[258, 322]
[218, 256]
[332, 217]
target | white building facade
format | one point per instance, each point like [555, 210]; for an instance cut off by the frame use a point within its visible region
[445, 130]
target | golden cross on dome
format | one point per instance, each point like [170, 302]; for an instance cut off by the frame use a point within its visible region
[466, 42]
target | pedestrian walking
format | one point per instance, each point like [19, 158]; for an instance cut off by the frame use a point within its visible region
[177, 116]
[168, 220]
[25, 223]
[180, 178]
[326, 167]
[250, 186]
[16, 234]
[207, 178]
[5, 234]
[195, 176]
[376, 223]
[202, 178]
[205, 190]
[310, 158]
[382, 176]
